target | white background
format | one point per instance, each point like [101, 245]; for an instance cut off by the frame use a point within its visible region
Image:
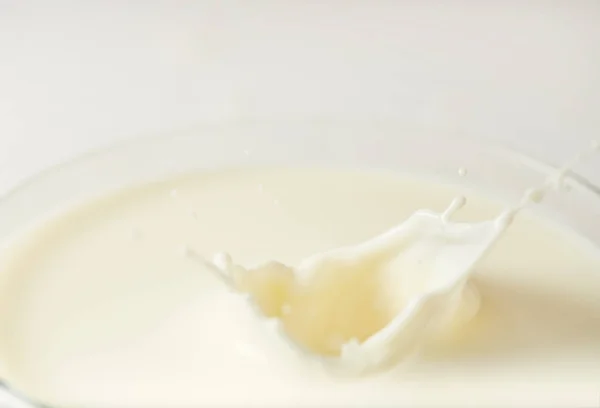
[75, 75]
[78, 75]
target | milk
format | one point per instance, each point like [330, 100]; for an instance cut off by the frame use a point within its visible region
[102, 309]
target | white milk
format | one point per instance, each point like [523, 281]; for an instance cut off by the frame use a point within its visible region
[101, 309]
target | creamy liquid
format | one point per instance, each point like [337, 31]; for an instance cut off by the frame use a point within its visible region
[100, 308]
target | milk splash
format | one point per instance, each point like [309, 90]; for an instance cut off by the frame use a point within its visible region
[366, 307]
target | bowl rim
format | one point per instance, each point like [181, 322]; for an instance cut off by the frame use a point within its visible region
[530, 160]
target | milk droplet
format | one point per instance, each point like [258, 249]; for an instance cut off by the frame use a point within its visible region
[174, 193]
[536, 195]
[247, 152]
[462, 172]
[455, 205]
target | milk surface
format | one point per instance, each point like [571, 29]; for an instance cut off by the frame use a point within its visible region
[101, 309]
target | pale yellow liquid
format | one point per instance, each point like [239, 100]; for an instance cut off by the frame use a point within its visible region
[100, 308]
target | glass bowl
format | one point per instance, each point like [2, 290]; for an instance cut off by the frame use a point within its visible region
[434, 153]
